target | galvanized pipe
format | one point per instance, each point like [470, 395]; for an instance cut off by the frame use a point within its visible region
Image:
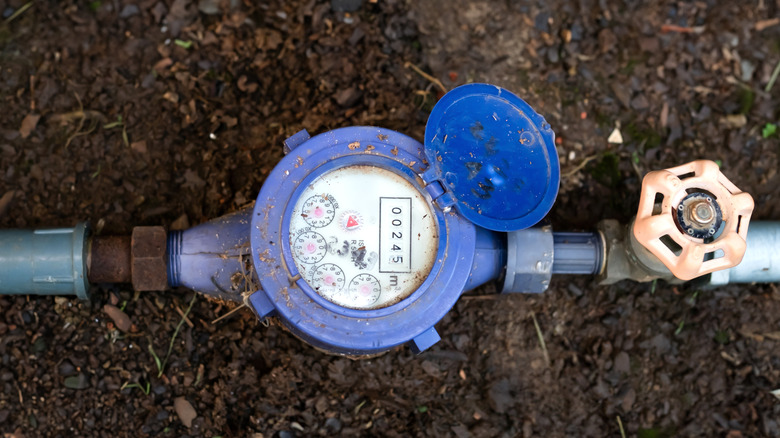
[109, 260]
[761, 263]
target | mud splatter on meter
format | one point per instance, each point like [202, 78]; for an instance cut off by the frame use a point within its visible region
[363, 238]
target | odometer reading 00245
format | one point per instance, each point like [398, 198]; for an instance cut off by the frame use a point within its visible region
[363, 237]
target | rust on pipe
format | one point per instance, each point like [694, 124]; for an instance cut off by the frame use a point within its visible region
[109, 260]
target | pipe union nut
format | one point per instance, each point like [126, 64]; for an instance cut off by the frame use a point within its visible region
[149, 269]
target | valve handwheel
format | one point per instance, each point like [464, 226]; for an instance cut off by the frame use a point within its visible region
[693, 219]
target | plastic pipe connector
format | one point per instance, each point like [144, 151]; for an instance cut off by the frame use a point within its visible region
[213, 258]
[44, 262]
[577, 253]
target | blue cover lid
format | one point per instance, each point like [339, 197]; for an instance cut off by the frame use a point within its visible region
[495, 155]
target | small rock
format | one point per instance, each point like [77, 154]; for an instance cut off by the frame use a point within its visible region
[8, 150]
[159, 389]
[576, 291]
[28, 124]
[628, 400]
[552, 55]
[129, 11]
[622, 363]
[348, 97]
[622, 93]
[4, 415]
[661, 343]
[181, 223]
[460, 431]
[79, 381]
[616, 137]
[747, 70]
[66, 368]
[607, 40]
[209, 7]
[333, 425]
[184, 410]
[345, 5]
[119, 317]
[39, 346]
[431, 369]
[542, 21]
[649, 44]
[159, 10]
[357, 35]
[734, 120]
[675, 128]
[499, 397]
[640, 102]
[139, 146]
[6, 201]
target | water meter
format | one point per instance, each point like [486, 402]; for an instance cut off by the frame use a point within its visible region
[363, 238]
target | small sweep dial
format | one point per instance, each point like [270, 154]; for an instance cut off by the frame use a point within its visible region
[364, 290]
[318, 211]
[310, 247]
[328, 280]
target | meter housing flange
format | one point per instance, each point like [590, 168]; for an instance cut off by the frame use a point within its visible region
[288, 295]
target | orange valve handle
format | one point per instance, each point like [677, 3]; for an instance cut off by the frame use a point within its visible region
[693, 219]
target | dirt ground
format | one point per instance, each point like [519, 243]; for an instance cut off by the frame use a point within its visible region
[154, 112]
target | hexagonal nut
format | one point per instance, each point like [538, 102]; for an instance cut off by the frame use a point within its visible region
[149, 267]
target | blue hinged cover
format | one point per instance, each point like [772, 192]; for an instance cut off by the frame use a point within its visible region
[494, 155]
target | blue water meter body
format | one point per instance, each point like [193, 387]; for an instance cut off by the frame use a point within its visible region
[363, 239]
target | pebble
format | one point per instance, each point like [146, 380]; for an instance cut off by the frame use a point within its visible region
[500, 398]
[129, 11]
[622, 363]
[209, 7]
[348, 97]
[66, 368]
[119, 317]
[333, 425]
[79, 381]
[747, 70]
[184, 410]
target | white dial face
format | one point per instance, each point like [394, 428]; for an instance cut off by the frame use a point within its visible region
[363, 237]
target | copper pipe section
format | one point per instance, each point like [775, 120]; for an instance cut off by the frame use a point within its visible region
[109, 260]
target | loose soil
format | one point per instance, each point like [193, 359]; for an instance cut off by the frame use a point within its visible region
[155, 112]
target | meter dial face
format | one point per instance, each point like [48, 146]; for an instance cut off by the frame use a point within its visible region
[374, 243]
